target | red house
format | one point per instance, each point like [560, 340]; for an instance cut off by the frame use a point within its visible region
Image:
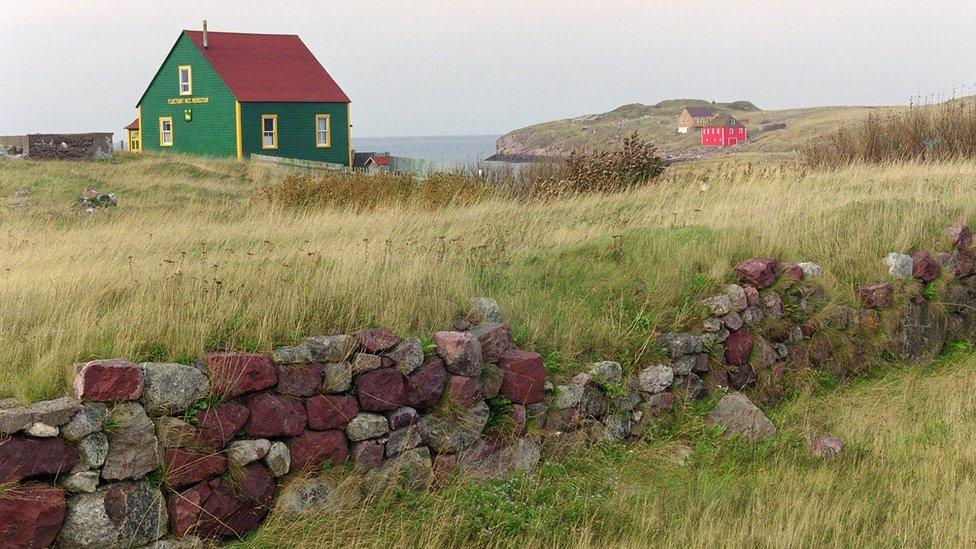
[723, 131]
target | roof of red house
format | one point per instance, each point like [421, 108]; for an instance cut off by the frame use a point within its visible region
[380, 160]
[700, 112]
[268, 67]
[134, 125]
[724, 121]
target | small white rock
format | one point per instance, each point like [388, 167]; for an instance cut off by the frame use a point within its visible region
[42, 430]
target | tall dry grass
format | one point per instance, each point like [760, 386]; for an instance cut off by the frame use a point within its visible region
[189, 262]
[921, 133]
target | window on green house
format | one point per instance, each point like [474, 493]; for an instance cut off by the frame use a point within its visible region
[165, 131]
[323, 130]
[269, 131]
[186, 80]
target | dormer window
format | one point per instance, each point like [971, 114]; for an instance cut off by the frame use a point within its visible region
[186, 80]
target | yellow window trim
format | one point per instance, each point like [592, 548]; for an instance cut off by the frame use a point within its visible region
[189, 79]
[274, 136]
[328, 131]
[172, 132]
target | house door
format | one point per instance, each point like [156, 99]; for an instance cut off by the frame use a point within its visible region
[135, 141]
[732, 141]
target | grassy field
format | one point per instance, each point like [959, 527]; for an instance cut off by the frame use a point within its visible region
[193, 261]
[906, 480]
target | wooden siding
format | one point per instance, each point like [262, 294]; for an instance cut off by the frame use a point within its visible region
[296, 131]
[212, 130]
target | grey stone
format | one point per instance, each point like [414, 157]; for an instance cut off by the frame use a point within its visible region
[690, 386]
[739, 416]
[921, 331]
[536, 414]
[796, 335]
[683, 343]
[8, 403]
[712, 324]
[899, 265]
[172, 388]
[732, 321]
[606, 372]
[92, 450]
[810, 270]
[242, 452]
[683, 365]
[411, 470]
[186, 542]
[737, 296]
[627, 401]
[406, 438]
[616, 428]
[492, 377]
[278, 459]
[752, 316]
[451, 435]
[827, 447]
[772, 304]
[408, 355]
[84, 482]
[366, 425]
[488, 458]
[319, 495]
[365, 362]
[482, 310]
[87, 421]
[118, 515]
[566, 396]
[297, 354]
[334, 348]
[173, 432]
[42, 430]
[718, 305]
[782, 351]
[337, 377]
[656, 378]
[55, 412]
[595, 403]
[132, 446]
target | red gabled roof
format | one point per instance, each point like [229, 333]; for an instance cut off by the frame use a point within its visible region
[268, 67]
[380, 160]
[134, 125]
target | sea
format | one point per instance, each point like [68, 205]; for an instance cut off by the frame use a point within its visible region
[440, 148]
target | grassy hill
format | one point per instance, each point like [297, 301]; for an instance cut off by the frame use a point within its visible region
[659, 124]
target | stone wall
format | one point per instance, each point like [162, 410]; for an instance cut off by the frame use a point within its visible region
[69, 146]
[13, 144]
[146, 452]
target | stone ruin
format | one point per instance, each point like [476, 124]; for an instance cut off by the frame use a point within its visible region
[145, 454]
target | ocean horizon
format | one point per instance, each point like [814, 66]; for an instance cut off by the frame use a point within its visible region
[443, 148]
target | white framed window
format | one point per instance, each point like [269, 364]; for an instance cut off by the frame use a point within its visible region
[165, 131]
[269, 131]
[186, 80]
[323, 131]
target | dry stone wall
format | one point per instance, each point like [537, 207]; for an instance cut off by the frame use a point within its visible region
[167, 455]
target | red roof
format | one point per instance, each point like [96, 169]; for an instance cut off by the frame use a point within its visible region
[134, 125]
[380, 160]
[268, 67]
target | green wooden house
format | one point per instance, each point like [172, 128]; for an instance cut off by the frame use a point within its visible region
[235, 94]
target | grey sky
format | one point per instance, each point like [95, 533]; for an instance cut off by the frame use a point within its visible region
[427, 68]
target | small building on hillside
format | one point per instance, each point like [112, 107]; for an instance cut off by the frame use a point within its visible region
[723, 131]
[234, 94]
[371, 162]
[133, 139]
[695, 117]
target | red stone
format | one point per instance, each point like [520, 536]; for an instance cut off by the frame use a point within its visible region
[375, 340]
[738, 346]
[461, 352]
[425, 386]
[235, 374]
[26, 457]
[31, 516]
[752, 295]
[330, 412]
[925, 267]
[444, 467]
[313, 448]
[761, 273]
[464, 391]
[301, 380]
[380, 390]
[876, 296]
[217, 425]
[525, 377]
[274, 415]
[109, 380]
[495, 339]
[660, 403]
[368, 454]
[961, 236]
[184, 468]
[402, 417]
[963, 262]
[222, 507]
[807, 330]
[792, 273]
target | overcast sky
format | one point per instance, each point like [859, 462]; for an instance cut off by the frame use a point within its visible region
[486, 67]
